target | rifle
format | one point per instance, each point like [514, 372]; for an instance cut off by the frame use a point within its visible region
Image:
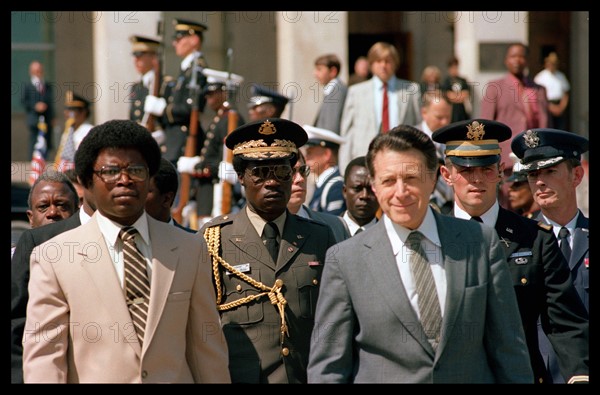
[190, 145]
[149, 119]
[232, 121]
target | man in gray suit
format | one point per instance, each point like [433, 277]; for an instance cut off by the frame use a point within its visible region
[371, 322]
[362, 117]
[327, 71]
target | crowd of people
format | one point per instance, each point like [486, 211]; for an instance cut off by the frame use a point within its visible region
[395, 239]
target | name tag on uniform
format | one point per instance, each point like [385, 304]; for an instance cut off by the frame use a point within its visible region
[520, 254]
[314, 263]
[244, 268]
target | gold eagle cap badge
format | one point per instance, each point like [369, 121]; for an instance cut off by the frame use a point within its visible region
[476, 131]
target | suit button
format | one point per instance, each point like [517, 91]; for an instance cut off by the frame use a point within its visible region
[523, 281]
[238, 287]
[541, 380]
[137, 113]
[144, 374]
[184, 128]
[138, 103]
[279, 282]
[285, 351]
[315, 281]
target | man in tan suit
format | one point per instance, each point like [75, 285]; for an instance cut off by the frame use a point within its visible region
[79, 327]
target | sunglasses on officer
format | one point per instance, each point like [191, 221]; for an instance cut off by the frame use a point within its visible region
[303, 170]
[260, 174]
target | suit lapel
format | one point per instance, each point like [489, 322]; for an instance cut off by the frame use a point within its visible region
[455, 268]
[380, 260]
[108, 288]
[165, 258]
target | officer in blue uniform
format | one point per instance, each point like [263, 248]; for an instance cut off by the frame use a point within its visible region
[541, 277]
[552, 160]
[175, 105]
[267, 262]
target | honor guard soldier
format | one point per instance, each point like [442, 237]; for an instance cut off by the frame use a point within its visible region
[176, 104]
[265, 103]
[267, 263]
[322, 150]
[76, 112]
[552, 160]
[541, 277]
[146, 61]
[205, 166]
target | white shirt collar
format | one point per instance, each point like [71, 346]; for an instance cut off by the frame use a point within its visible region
[489, 218]
[83, 216]
[556, 226]
[398, 233]
[330, 86]
[110, 229]
[325, 175]
[353, 226]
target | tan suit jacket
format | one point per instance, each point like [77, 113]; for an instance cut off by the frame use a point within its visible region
[78, 327]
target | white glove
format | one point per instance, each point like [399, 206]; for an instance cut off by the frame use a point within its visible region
[155, 105]
[227, 173]
[187, 164]
[159, 136]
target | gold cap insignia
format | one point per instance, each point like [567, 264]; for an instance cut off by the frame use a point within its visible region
[476, 131]
[267, 128]
[531, 139]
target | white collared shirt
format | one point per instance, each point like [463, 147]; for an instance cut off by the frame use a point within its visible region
[489, 218]
[570, 227]
[110, 231]
[325, 175]
[353, 227]
[433, 248]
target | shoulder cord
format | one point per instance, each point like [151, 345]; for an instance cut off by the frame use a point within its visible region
[212, 236]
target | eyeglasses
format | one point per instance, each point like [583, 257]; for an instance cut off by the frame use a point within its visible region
[304, 170]
[261, 173]
[110, 174]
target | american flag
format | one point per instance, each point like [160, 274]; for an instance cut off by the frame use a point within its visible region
[38, 160]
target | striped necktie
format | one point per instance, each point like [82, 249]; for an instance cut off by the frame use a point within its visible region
[428, 302]
[137, 285]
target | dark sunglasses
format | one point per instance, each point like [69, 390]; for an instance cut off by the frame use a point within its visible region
[262, 173]
[304, 170]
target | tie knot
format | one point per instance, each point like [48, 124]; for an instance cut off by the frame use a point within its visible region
[127, 233]
[563, 233]
[359, 230]
[477, 218]
[413, 241]
[271, 231]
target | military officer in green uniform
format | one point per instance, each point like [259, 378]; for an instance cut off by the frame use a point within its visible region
[541, 275]
[174, 107]
[267, 262]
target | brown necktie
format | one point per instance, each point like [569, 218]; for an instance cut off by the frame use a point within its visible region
[385, 116]
[271, 232]
[429, 305]
[137, 285]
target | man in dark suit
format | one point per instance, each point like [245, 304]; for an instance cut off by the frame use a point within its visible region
[52, 198]
[552, 160]
[20, 276]
[327, 71]
[360, 199]
[420, 297]
[267, 263]
[539, 273]
[38, 100]
[161, 194]
[176, 104]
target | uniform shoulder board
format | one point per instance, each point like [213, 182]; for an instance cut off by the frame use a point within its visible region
[218, 221]
[544, 225]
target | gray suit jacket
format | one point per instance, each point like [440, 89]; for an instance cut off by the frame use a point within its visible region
[330, 113]
[367, 331]
[359, 121]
